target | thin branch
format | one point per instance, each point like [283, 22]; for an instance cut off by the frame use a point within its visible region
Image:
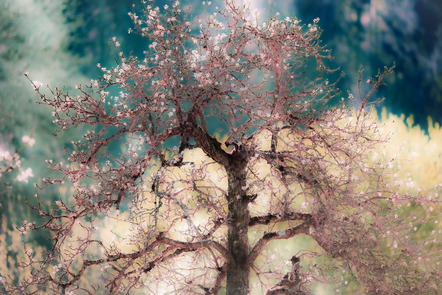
[198, 245]
[302, 228]
[110, 258]
[217, 224]
[182, 247]
[222, 272]
[269, 218]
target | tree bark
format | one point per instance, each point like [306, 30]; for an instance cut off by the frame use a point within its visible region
[238, 269]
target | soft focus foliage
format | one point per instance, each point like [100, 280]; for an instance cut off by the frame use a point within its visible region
[419, 153]
[33, 34]
[373, 33]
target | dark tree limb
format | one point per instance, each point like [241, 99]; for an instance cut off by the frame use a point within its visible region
[179, 246]
[222, 272]
[269, 218]
[209, 145]
[302, 228]
[291, 283]
[198, 245]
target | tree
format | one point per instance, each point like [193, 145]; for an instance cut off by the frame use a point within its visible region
[210, 148]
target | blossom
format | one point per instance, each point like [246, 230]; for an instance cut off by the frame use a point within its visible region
[24, 175]
[29, 141]
[37, 84]
[5, 155]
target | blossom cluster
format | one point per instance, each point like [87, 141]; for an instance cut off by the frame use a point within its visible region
[10, 162]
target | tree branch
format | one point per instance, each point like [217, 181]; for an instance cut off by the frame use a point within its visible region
[269, 218]
[279, 235]
[273, 157]
[182, 247]
[198, 245]
[222, 272]
[208, 144]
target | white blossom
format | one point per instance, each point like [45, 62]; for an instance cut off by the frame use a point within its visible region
[24, 175]
[37, 85]
[29, 141]
[5, 155]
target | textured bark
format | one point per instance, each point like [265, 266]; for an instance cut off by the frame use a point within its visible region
[238, 269]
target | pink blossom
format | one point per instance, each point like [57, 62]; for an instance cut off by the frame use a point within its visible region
[29, 141]
[24, 175]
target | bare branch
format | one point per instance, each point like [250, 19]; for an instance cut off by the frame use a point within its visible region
[222, 272]
[302, 228]
[271, 218]
[198, 245]
[210, 145]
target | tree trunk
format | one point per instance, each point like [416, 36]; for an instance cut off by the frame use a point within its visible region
[238, 270]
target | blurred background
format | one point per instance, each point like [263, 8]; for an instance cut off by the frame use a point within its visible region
[59, 42]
